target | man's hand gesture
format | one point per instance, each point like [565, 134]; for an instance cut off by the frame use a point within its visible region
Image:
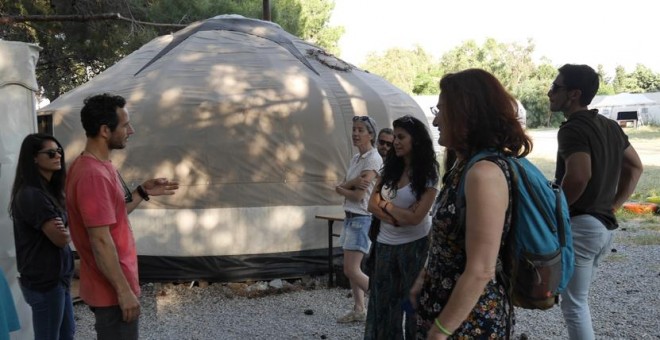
[160, 186]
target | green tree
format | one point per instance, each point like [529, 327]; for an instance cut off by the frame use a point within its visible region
[313, 21]
[74, 52]
[605, 87]
[646, 79]
[533, 94]
[410, 70]
[625, 82]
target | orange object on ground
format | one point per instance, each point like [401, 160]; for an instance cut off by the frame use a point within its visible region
[640, 208]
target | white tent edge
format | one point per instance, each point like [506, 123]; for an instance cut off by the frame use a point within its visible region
[18, 103]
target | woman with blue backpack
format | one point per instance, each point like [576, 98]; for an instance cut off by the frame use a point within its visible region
[457, 293]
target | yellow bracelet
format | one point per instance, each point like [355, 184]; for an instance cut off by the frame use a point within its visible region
[442, 329]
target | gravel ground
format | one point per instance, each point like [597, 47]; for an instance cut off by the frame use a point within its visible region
[624, 302]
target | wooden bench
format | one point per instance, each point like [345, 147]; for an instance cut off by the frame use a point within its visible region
[331, 220]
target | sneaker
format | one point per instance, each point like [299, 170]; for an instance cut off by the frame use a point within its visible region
[353, 316]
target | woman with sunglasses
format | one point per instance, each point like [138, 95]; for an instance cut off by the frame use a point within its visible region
[356, 189]
[457, 294]
[402, 200]
[41, 235]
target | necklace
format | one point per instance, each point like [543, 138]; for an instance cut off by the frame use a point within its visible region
[93, 155]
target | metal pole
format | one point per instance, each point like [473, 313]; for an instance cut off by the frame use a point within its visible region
[266, 13]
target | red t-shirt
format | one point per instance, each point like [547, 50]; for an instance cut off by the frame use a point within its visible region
[95, 198]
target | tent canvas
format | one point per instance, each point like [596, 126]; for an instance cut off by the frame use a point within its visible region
[256, 125]
[624, 99]
[18, 119]
[643, 105]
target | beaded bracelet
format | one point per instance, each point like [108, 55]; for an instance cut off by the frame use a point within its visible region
[442, 329]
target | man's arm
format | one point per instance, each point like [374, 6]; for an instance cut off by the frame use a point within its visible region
[631, 171]
[105, 255]
[577, 176]
[153, 187]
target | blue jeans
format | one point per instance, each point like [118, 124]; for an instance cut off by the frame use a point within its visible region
[591, 241]
[355, 235]
[110, 326]
[52, 312]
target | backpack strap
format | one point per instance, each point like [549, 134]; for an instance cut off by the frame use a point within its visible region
[460, 203]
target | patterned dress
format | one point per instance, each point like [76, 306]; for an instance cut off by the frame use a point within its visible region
[446, 263]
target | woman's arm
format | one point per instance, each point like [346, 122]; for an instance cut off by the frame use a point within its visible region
[356, 193]
[416, 213]
[375, 202]
[487, 198]
[56, 232]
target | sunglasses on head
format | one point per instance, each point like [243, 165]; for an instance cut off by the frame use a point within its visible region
[365, 119]
[52, 152]
[384, 142]
[406, 119]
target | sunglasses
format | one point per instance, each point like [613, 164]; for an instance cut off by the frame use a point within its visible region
[128, 195]
[434, 110]
[406, 119]
[52, 152]
[554, 88]
[365, 119]
[384, 142]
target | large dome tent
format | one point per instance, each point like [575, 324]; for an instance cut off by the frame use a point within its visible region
[256, 126]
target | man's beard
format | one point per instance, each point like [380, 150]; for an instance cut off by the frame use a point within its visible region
[114, 144]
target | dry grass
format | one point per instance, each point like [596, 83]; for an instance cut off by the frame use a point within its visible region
[646, 141]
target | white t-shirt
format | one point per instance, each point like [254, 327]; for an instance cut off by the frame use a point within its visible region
[404, 198]
[370, 160]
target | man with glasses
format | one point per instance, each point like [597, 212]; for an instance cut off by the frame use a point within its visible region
[598, 170]
[385, 140]
[98, 202]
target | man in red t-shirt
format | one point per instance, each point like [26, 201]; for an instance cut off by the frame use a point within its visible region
[98, 202]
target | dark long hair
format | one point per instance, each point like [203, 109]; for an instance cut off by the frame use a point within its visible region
[423, 163]
[481, 114]
[27, 171]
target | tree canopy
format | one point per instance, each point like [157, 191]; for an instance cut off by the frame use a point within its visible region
[417, 72]
[74, 52]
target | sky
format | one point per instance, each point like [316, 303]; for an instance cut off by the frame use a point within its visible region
[579, 31]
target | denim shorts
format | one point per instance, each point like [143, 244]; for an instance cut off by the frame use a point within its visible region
[355, 235]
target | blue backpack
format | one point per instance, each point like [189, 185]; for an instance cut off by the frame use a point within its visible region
[537, 258]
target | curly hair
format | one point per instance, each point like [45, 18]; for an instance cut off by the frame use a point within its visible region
[27, 171]
[100, 110]
[423, 163]
[481, 114]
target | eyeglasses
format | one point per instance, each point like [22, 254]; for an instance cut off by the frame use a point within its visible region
[384, 143]
[365, 119]
[52, 152]
[554, 88]
[434, 110]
